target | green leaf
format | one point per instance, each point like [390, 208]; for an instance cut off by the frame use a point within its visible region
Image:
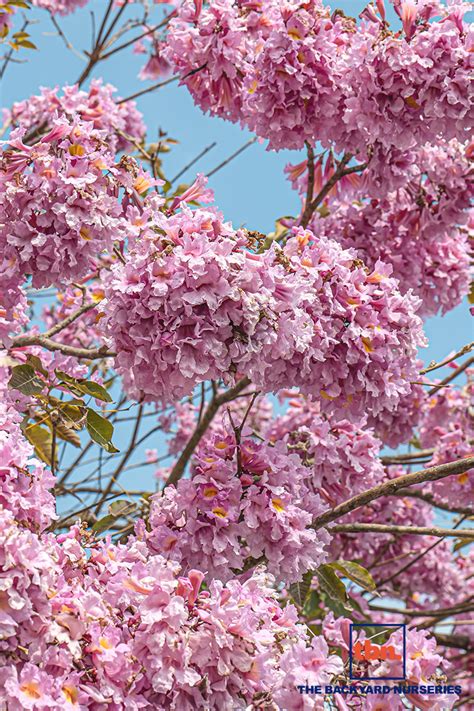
[25, 380]
[121, 507]
[356, 573]
[461, 543]
[330, 583]
[36, 363]
[299, 591]
[103, 523]
[100, 430]
[89, 387]
[42, 440]
[85, 387]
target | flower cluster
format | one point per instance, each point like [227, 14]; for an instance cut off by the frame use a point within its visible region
[117, 623]
[425, 217]
[59, 208]
[244, 502]
[13, 303]
[97, 105]
[201, 304]
[343, 456]
[24, 481]
[294, 72]
[447, 426]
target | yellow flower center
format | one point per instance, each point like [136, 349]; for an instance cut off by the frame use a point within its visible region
[219, 512]
[31, 689]
[71, 694]
[75, 149]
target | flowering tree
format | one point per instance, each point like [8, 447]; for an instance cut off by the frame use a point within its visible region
[280, 371]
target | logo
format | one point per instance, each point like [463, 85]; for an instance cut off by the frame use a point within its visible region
[367, 648]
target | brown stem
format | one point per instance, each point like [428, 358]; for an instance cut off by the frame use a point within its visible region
[441, 612]
[69, 319]
[50, 345]
[434, 366]
[430, 499]
[392, 486]
[417, 530]
[340, 172]
[231, 157]
[407, 457]
[307, 212]
[454, 374]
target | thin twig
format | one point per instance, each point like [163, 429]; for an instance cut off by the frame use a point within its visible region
[430, 499]
[452, 376]
[194, 160]
[402, 530]
[50, 345]
[449, 359]
[307, 212]
[124, 460]
[339, 173]
[231, 157]
[69, 319]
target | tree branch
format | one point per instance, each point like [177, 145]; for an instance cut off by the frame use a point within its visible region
[340, 172]
[124, 460]
[434, 366]
[392, 486]
[50, 345]
[307, 212]
[417, 530]
[430, 499]
[454, 374]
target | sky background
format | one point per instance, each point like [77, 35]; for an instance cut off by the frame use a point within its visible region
[251, 191]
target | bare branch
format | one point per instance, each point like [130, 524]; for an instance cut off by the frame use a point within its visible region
[231, 157]
[416, 530]
[392, 486]
[452, 376]
[434, 366]
[50, 345]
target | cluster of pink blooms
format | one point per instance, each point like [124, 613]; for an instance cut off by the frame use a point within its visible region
[343, 456]
[97, 106]
[24, 481]
[397, 426]
[13, 303]
[120, 626]
[59, 208]
[199, 303]
[244, 502]
[294, 72]
[447, 426]
[426, 218]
